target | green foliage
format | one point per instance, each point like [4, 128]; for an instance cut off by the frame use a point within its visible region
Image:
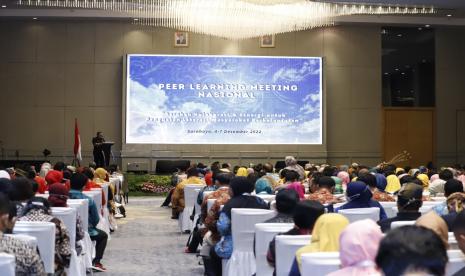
[148, 184]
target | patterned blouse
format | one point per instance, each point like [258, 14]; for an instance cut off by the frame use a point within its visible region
[222, 197]
[380, 196]
[62, 243]
[28, 262]
[322, 195]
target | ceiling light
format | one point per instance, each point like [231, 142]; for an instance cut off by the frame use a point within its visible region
[397, 69]
[233, 18]
[3, 6]
[399, 35]
[136, 19]
[449, 15]
[420, 28]
[427, 25]
[34, 18]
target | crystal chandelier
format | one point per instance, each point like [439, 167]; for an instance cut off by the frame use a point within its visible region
[232, 19]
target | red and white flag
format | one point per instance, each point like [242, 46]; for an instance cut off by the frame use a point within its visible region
[77, 141]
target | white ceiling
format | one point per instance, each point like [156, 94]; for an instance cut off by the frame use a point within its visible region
[444, 4]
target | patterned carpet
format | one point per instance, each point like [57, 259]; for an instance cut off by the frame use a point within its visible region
[148, 242]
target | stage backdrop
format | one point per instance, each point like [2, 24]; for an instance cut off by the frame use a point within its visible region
[172, 99]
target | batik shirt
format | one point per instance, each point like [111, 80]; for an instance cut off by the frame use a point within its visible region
[322, 195]
[380, 196]
[222, 196]
[62, 243]
[28, 261]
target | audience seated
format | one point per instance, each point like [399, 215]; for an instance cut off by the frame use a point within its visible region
[455, 204]
[209, 181]
[437, 186]
[358, 245]
[78, 181]
[38, 209]
[377, 190]
[325, 238]
[434, 222]
[21, 192]
[286, 200]
[269, 178]
[345, 179]
[424, 180]
[177, 200]
[393, 183]
[322, 189]
[306, 213]
[409, 201]
[291, 164]
[241, 198]
[359, 196]
[28, 261]
[292, 183]
[58, 195]
[458, 228]
[451, 186]
[412, 250]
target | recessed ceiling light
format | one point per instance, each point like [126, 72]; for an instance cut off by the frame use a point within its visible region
[403, 73]
[420, 28]
[399, 35]
[3, 6]
[34, 18]
[427, 25]
[136, 19]
[397, 69]
[449, 15]
[386, 73]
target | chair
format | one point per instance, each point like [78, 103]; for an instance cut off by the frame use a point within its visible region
[396, 224]
[7, 264]
[387, 205]
[45, 234]
[452, 241]
[456, 261]
[264, 233]
[286, 246]
[96, 196]
[320, 263]
[242, 261]
[68, 216]
[82, 207]
[210, 203]
[266, 197]
[361, 213]
[190, 198]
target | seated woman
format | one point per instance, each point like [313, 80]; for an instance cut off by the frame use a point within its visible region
[372, 182]
[38, 209]
[58, 196]
[241, 198]
[358, 245]
[359, 196]
[325, 238]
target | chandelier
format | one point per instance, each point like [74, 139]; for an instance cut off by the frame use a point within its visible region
[232, 19]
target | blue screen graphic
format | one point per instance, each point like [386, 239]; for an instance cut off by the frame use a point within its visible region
[174, 99]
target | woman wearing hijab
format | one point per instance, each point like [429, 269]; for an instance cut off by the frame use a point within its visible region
[424, 180]
[325, 238]
[358, 245]
[359, 196]
[241, 198]
[377, 190]
[58, 196]
[393, 184]
[38, 209]
[242, 172]
[434, 222]
[262, 187]
[455, 204]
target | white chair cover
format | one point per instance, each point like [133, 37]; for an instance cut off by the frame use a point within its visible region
[286, 246]
[452, 242]
[264, 233]
[320, 263]
[360, 213]
[45, 234]
[42, 195]
[432, 203]
[82, 207]
[210, 203]
[88, 250]
[242, 261]
[190, 197]
[423, 210]
[96, 196]
[266, 197]
[337, 205]
[7, 264]
[68, 216]
[456, 261]
[387, 205]
[396, 224]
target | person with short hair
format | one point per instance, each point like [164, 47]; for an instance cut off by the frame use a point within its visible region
[177, 199]
[437, 186]
[324, 186]
[412, 250]
[292, 164]
[451, 186]
[27, 259]
[286, 200]
[409, 202]
[306, 213]
[78, 181]
[372, 182]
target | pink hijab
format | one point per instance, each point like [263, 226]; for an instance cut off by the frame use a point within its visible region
[358, 245]
[433, 177]
[344, 176]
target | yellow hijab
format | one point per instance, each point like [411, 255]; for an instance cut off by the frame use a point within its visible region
[393, 184]
[242, 172]
[424, 180]
[325, 235]
[99, 175]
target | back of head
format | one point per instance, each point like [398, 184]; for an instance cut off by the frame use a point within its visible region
[412, 249]
[358, 191]
[409, 197]
[406, 179]
[286, 200]
[192, 172]
[327, 230]
[359, 242]
[290, 161]
[59, 166]
[240, 185]
[329, 171]
[452, 186]
[306, 213]
[21, 189]
[434, 222]
[78, 181]
[291, 176]
[224, 178]
[326, 182]
[446, 174]
[368, 179]
[58, 195]
[54, 176]
[88, 172]
[267, 168]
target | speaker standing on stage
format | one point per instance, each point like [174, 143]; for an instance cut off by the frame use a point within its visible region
[97, 141]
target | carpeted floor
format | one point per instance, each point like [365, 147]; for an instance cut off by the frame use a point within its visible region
[148, 242]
